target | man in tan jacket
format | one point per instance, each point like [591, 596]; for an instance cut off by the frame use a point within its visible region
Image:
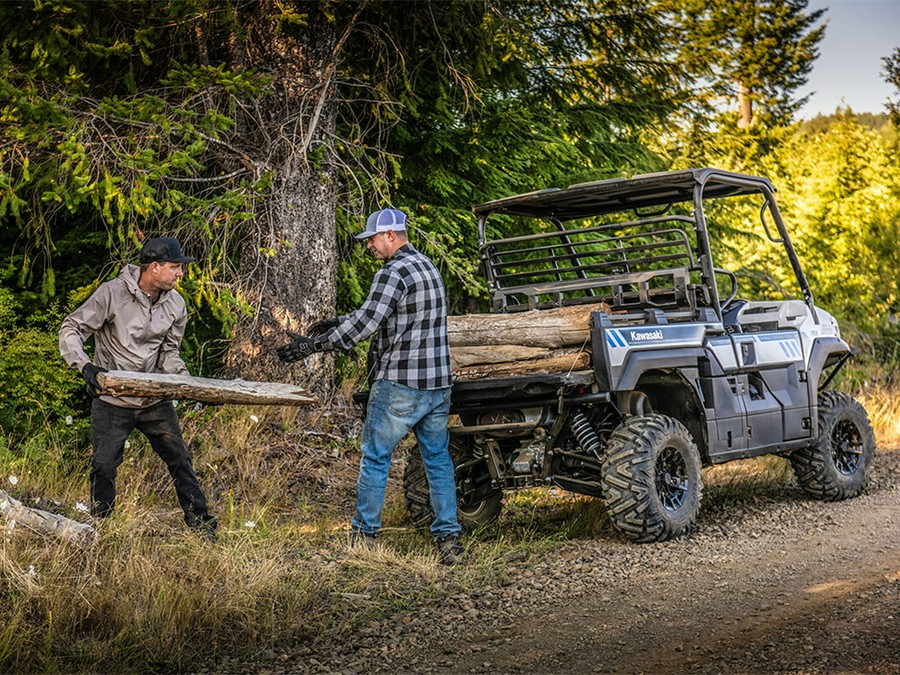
[137, 321]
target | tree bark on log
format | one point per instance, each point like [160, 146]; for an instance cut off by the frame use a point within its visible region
[549, 328]
[560, 362]
[205, 390]
[462, 357]
[72, 531]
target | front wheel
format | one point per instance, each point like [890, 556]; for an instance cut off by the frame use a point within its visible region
[651, 478]
[836, 467]
[477, 503]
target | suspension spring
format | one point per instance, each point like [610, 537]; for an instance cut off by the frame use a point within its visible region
[585, 434]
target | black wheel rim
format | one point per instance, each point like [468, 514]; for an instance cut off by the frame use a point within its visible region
[846, 447]
[473, 486]
[672, 484]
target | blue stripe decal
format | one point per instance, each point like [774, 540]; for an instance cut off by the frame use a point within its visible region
[790, 348]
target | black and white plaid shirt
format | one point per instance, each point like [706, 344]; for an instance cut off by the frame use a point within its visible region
[408, 309]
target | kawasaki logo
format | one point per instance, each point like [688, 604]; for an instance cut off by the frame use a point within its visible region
[648, 335]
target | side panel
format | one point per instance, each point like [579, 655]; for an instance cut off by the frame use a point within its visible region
[757, 391]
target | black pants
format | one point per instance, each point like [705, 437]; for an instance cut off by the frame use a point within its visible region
[110, 426]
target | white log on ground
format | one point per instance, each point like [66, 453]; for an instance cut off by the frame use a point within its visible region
[562, 361]
[202, 389]
[45, 522]
[548, 328]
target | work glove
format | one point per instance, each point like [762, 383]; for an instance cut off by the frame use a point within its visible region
[322, 327]
[89, 373]
[300, 348]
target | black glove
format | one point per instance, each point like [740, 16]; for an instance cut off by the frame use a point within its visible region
[322, 327]
[300, 348]
[89, 373]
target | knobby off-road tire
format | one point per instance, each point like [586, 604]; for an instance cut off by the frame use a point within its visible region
[836, 467]
[472, 513]
[651, 478]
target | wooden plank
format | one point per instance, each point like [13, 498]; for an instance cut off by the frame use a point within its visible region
[205, 390]
[548, 328]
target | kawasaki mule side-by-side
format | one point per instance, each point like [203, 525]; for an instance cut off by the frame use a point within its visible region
[685, 371]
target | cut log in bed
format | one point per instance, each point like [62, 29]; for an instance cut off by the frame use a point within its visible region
[461, 357]
[202, 389]
[548, 328]
[562, 361]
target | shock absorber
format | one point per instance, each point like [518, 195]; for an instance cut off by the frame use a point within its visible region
[585, 434]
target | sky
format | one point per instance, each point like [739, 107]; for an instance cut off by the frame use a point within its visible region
[848, 72]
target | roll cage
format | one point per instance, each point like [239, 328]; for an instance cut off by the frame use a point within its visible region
[648, 261]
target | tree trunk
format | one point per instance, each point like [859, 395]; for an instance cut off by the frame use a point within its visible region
[288, 263]
[548, 328]
[745, 106]
[290, 287]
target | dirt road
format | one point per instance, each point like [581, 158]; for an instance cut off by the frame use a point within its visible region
[798, 600]
[771, 582]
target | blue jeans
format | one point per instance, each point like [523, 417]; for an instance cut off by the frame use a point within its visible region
[392, 412]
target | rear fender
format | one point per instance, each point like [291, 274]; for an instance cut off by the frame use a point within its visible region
[671, 393]
[825, 352]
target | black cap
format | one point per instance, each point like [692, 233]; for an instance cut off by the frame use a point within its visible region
[163, 249]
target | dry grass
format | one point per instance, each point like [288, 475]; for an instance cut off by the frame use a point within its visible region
[883, 406]
[152, 596]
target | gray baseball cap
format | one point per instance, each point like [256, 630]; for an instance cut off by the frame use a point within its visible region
[382, 221]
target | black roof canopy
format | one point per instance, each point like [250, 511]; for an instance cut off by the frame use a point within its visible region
[640, 192]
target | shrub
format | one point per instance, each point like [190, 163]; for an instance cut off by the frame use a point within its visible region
[37, 390]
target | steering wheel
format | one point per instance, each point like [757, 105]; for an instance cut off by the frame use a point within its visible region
[734, 286]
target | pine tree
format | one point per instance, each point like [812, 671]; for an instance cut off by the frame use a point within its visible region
[754, 54]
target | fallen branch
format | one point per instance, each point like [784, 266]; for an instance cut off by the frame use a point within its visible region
[45, 522]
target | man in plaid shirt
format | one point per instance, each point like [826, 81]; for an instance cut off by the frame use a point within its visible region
[406, 311]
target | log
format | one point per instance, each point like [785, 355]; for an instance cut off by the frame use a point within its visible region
[548, 328]
[461, 357]
[562, 362]
[72, 531]
[205, 390]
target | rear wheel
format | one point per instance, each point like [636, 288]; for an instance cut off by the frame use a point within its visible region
[478, 504]
[837, 466]
[651, 478]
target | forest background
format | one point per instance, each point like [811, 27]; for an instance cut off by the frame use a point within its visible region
[261, 133]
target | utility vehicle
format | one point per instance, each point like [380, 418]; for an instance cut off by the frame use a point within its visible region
[685, 371]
